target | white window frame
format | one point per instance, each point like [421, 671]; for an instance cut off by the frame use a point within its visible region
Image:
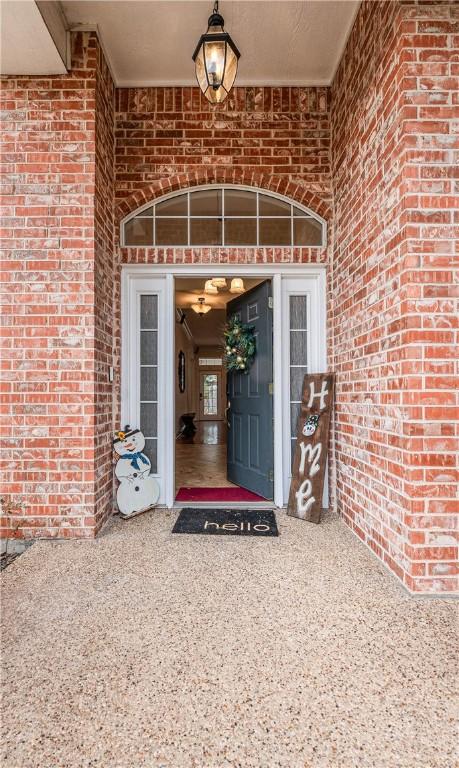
[205, 187]
[134, 286]
[286, 279]
[317, 353]
[210, 362]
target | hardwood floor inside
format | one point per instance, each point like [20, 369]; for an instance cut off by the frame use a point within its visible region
[200, 461]
[210, 433]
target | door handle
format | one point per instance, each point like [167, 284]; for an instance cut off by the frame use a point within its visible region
[227, 410]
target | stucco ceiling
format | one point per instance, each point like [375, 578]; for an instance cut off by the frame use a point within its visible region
[282, 42]
[207, 330]
[26, 44]
[290, 43]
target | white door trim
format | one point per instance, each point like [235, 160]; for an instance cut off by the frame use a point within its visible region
[169, 402]
[317, 352]
[143, 274]
[278, 394]
[132, 289]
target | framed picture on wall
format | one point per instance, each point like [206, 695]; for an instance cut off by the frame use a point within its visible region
[181, 371]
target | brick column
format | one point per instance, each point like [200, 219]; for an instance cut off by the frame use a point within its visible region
[393, 102]
[57, 339]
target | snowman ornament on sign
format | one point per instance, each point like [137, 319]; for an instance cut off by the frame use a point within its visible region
[310, 425]
[138, 491]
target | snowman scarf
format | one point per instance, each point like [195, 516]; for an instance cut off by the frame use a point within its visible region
[134, 457]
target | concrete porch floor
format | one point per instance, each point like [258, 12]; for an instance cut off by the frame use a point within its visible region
[144, 648]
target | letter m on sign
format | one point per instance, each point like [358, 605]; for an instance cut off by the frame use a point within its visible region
[310, 457]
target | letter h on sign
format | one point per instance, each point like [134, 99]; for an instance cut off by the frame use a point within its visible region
[309, 461]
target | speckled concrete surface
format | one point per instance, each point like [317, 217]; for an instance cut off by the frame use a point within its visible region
[145, 648]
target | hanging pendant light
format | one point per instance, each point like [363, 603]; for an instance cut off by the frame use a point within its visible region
[201, 308]
[237, 285]
[219, 282]
[215, 60]
[210, 288]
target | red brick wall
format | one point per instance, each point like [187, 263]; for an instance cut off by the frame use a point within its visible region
[430, 37]
[272, 131]
[56, 332]
[104, 288]
[394, 325]
[171, 138]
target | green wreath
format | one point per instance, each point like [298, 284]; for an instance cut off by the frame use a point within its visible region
[240, 345]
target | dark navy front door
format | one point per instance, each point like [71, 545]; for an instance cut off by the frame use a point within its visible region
[250, 400]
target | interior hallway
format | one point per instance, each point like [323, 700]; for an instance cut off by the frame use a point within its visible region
[201, 460]
[145, 648]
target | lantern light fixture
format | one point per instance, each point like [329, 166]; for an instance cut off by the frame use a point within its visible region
[210, 288]
[216, 58]
[237, 285]
[201, 308]
[219, 282]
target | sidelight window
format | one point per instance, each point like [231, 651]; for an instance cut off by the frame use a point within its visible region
[149, 376]
[218, 216]
[298, 338]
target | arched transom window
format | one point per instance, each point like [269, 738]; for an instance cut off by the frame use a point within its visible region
[225, 216]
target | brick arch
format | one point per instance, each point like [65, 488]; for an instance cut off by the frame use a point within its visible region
[291, 188]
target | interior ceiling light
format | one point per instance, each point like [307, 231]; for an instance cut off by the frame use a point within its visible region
[210, 287]
[215, 60]
[219, 282]
[201, 308]
[237, 285]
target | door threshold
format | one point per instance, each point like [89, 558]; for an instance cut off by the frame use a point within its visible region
[225, 504]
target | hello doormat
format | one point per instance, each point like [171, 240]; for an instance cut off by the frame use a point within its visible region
[227, 522]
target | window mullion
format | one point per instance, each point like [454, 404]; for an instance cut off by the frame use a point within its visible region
[305, 230]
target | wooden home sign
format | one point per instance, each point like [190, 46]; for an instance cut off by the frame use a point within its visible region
[308, 473]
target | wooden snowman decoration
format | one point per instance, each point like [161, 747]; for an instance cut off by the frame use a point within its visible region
[138, 490]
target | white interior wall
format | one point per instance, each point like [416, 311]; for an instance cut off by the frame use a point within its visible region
[184, 401]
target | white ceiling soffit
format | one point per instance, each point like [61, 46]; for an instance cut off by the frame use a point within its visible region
[29, 44]
[281, 42]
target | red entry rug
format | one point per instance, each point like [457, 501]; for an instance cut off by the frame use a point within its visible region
[217, 494]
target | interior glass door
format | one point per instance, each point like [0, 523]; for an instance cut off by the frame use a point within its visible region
[210, 395]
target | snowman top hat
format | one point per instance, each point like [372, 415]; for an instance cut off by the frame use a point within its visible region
[124, 433]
